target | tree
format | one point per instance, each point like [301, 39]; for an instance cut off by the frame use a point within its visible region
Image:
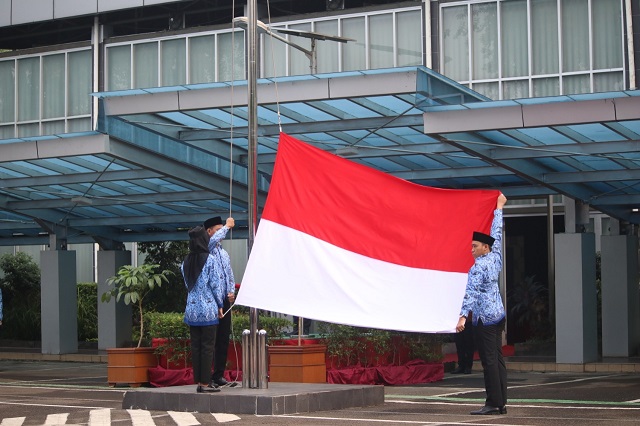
[133, 285]
[169, 255]
[21, 296]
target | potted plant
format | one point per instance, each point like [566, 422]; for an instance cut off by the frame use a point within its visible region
[131, 285]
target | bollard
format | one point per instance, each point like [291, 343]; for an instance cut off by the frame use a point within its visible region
[246, 360]
[263, 360]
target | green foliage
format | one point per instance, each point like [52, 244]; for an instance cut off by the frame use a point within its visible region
[348, 345]
[172, 297]
[344, 342]
[21, 274]
[424, 346]
[132, 284]
[87, 311]
[275, 327]
[21, 297]
[170, 326]
[528, 303]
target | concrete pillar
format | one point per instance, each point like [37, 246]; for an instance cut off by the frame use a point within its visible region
[59, 298]
[620, 296]
[576, 298]
[114, 319]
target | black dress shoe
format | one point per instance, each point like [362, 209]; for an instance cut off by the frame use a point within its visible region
[503, 409]
[458, 370]
[207, 389]
[219, 382]
[487, 410]
[467, 371]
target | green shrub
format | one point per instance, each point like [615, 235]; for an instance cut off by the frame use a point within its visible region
[87, 312]
[275, 327]
[170, 326]
[21, 297]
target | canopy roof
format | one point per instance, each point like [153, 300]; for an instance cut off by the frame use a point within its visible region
[165, 159]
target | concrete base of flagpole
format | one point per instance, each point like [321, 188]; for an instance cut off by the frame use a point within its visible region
[278, 398]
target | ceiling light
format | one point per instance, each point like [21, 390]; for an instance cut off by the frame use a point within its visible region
[347, 151]
[82, 200]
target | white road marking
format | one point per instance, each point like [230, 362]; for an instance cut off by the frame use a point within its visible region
[225, 418]
[100, 417]
[183, 419]
[141, 418]
[13, 421]
[56, 419]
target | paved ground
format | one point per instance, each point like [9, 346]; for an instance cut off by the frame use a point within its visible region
[36, 393]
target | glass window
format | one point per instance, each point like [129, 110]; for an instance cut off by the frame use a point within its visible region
[202, 59]
[53, 87]
[79, 86]
[455, 43]
[490, 90]
[561, 46]
[607, 24]
[274, 58]
[608, 81]
[515, 89]
[174, 63]
[354, 53]
[544, 38]
[381, 53]
[145, 65]
[328, 51]
[549, 86]
[575, 35]
[7, 91]
[29, 90]
[515, 57]
[408, 27]
[119, 68]
[299, 63]
[231, 56]
[484, 21]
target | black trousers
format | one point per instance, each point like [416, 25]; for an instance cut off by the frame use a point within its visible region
[489, 342]
[222, 343]
[465, 346]
[203, 341]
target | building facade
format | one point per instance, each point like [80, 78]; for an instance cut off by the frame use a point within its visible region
[54, 55]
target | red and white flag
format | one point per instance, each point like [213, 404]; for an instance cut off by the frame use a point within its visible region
[344, 243]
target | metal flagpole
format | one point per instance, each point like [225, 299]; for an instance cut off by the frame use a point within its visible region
[252, 178]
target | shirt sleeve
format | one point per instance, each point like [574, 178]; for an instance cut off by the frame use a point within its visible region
[217, 237]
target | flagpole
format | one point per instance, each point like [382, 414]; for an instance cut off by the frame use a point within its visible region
[252, 178]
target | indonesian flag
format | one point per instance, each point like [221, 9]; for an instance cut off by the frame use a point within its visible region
[347, 244]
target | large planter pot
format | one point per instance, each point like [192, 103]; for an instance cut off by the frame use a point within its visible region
[130, 365]
[298, 364]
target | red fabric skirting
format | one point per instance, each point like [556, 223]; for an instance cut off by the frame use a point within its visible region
[413, 372]
[161, 377]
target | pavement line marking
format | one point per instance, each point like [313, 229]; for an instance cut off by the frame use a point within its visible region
[100, 417]
[522, 402]
[13, 421]
[141, 418]
[225, 418]
[49, 405]
[409, 422]
[56, 419]
[183, 419]
[32, 385]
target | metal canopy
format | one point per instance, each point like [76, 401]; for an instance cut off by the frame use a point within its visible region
[161, 159]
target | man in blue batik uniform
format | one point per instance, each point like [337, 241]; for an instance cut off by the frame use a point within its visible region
[482, 298]
[217, 231]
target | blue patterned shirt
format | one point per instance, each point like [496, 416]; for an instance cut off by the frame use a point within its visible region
[205, 297]
[222, 257]
[482, 296]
